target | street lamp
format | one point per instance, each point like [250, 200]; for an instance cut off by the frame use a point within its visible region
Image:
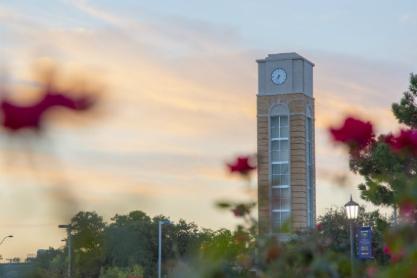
[6, 237]
[352, 209]
[68, 227]
[161, 222]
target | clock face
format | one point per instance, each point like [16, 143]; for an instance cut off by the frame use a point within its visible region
[278, 76]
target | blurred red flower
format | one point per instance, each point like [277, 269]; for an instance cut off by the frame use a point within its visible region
[395, 256]
[355, 133]
[319, 226]
[17, 117]
[242, 165]
[408, 209]
[240, 210]
[406, 140]
[398, 256]
[371, 271]
[387, 250]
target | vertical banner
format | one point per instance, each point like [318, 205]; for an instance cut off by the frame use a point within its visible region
[365, 243]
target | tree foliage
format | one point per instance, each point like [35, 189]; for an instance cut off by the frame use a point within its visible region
[387, 172]
[406, 110]
[88, 240]
[128, 245]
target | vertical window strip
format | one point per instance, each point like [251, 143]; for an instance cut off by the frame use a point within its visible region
[280, 171]
[309, 148]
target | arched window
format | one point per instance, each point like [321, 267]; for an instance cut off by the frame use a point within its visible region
[280, 172]
[310, 167]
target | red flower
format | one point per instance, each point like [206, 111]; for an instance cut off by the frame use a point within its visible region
[241, 165]
[395, 256]
[406, 140]
[240, 210]
[17, 117]
[371, 271]
[355, 133]
[387, 250]
[408, 209]
[319, 226]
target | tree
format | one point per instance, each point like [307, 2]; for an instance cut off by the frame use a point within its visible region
[133, 239]
[333, 227]
[88, 241]
[385, 162]
[128, 241]
[406, 110]
[126, 246]
[117, 272]
[49, 263]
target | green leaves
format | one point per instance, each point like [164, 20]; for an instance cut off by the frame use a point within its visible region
[406, 110]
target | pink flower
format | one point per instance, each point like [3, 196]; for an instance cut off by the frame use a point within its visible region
[17, 117]
[371, 271]
[406, 140]
[240, 210]
[387, 250]
[395, 256]
[241, 165]
[355, 133]
[408, 209]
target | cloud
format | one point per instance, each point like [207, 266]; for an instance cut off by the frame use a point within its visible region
[408, 18]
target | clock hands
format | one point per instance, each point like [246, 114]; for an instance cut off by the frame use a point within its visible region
[278, 76]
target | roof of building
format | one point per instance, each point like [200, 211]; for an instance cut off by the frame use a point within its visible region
[283, 56]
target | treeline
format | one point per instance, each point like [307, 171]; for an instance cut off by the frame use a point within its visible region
[128, 245]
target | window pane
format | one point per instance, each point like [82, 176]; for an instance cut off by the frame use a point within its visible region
[283, 132]
[279, 180]
[283, 155]
[274, 155]
[284, 180]
[309, 128]
[285, 216]
[279, 218]
[275, 180]
[274, 122]
[284, 198]
[275, 169]
[275, 198]
[281, 198]
[283, 120]
[284, 168]
[283, 144]
[276, 219]
[274, 132]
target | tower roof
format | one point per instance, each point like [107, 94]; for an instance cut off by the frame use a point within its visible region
[283, 56]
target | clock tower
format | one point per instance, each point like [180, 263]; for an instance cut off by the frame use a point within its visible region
[285, 135]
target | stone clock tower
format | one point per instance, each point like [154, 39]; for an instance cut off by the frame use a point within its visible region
[286, 155]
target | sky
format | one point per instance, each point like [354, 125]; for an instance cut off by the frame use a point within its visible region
[179, 100]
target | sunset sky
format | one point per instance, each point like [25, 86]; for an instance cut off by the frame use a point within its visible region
[180, 84]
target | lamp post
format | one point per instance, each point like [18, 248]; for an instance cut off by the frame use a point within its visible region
[6, 237]
[161, 222]
[68, 227]
[352, 209]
